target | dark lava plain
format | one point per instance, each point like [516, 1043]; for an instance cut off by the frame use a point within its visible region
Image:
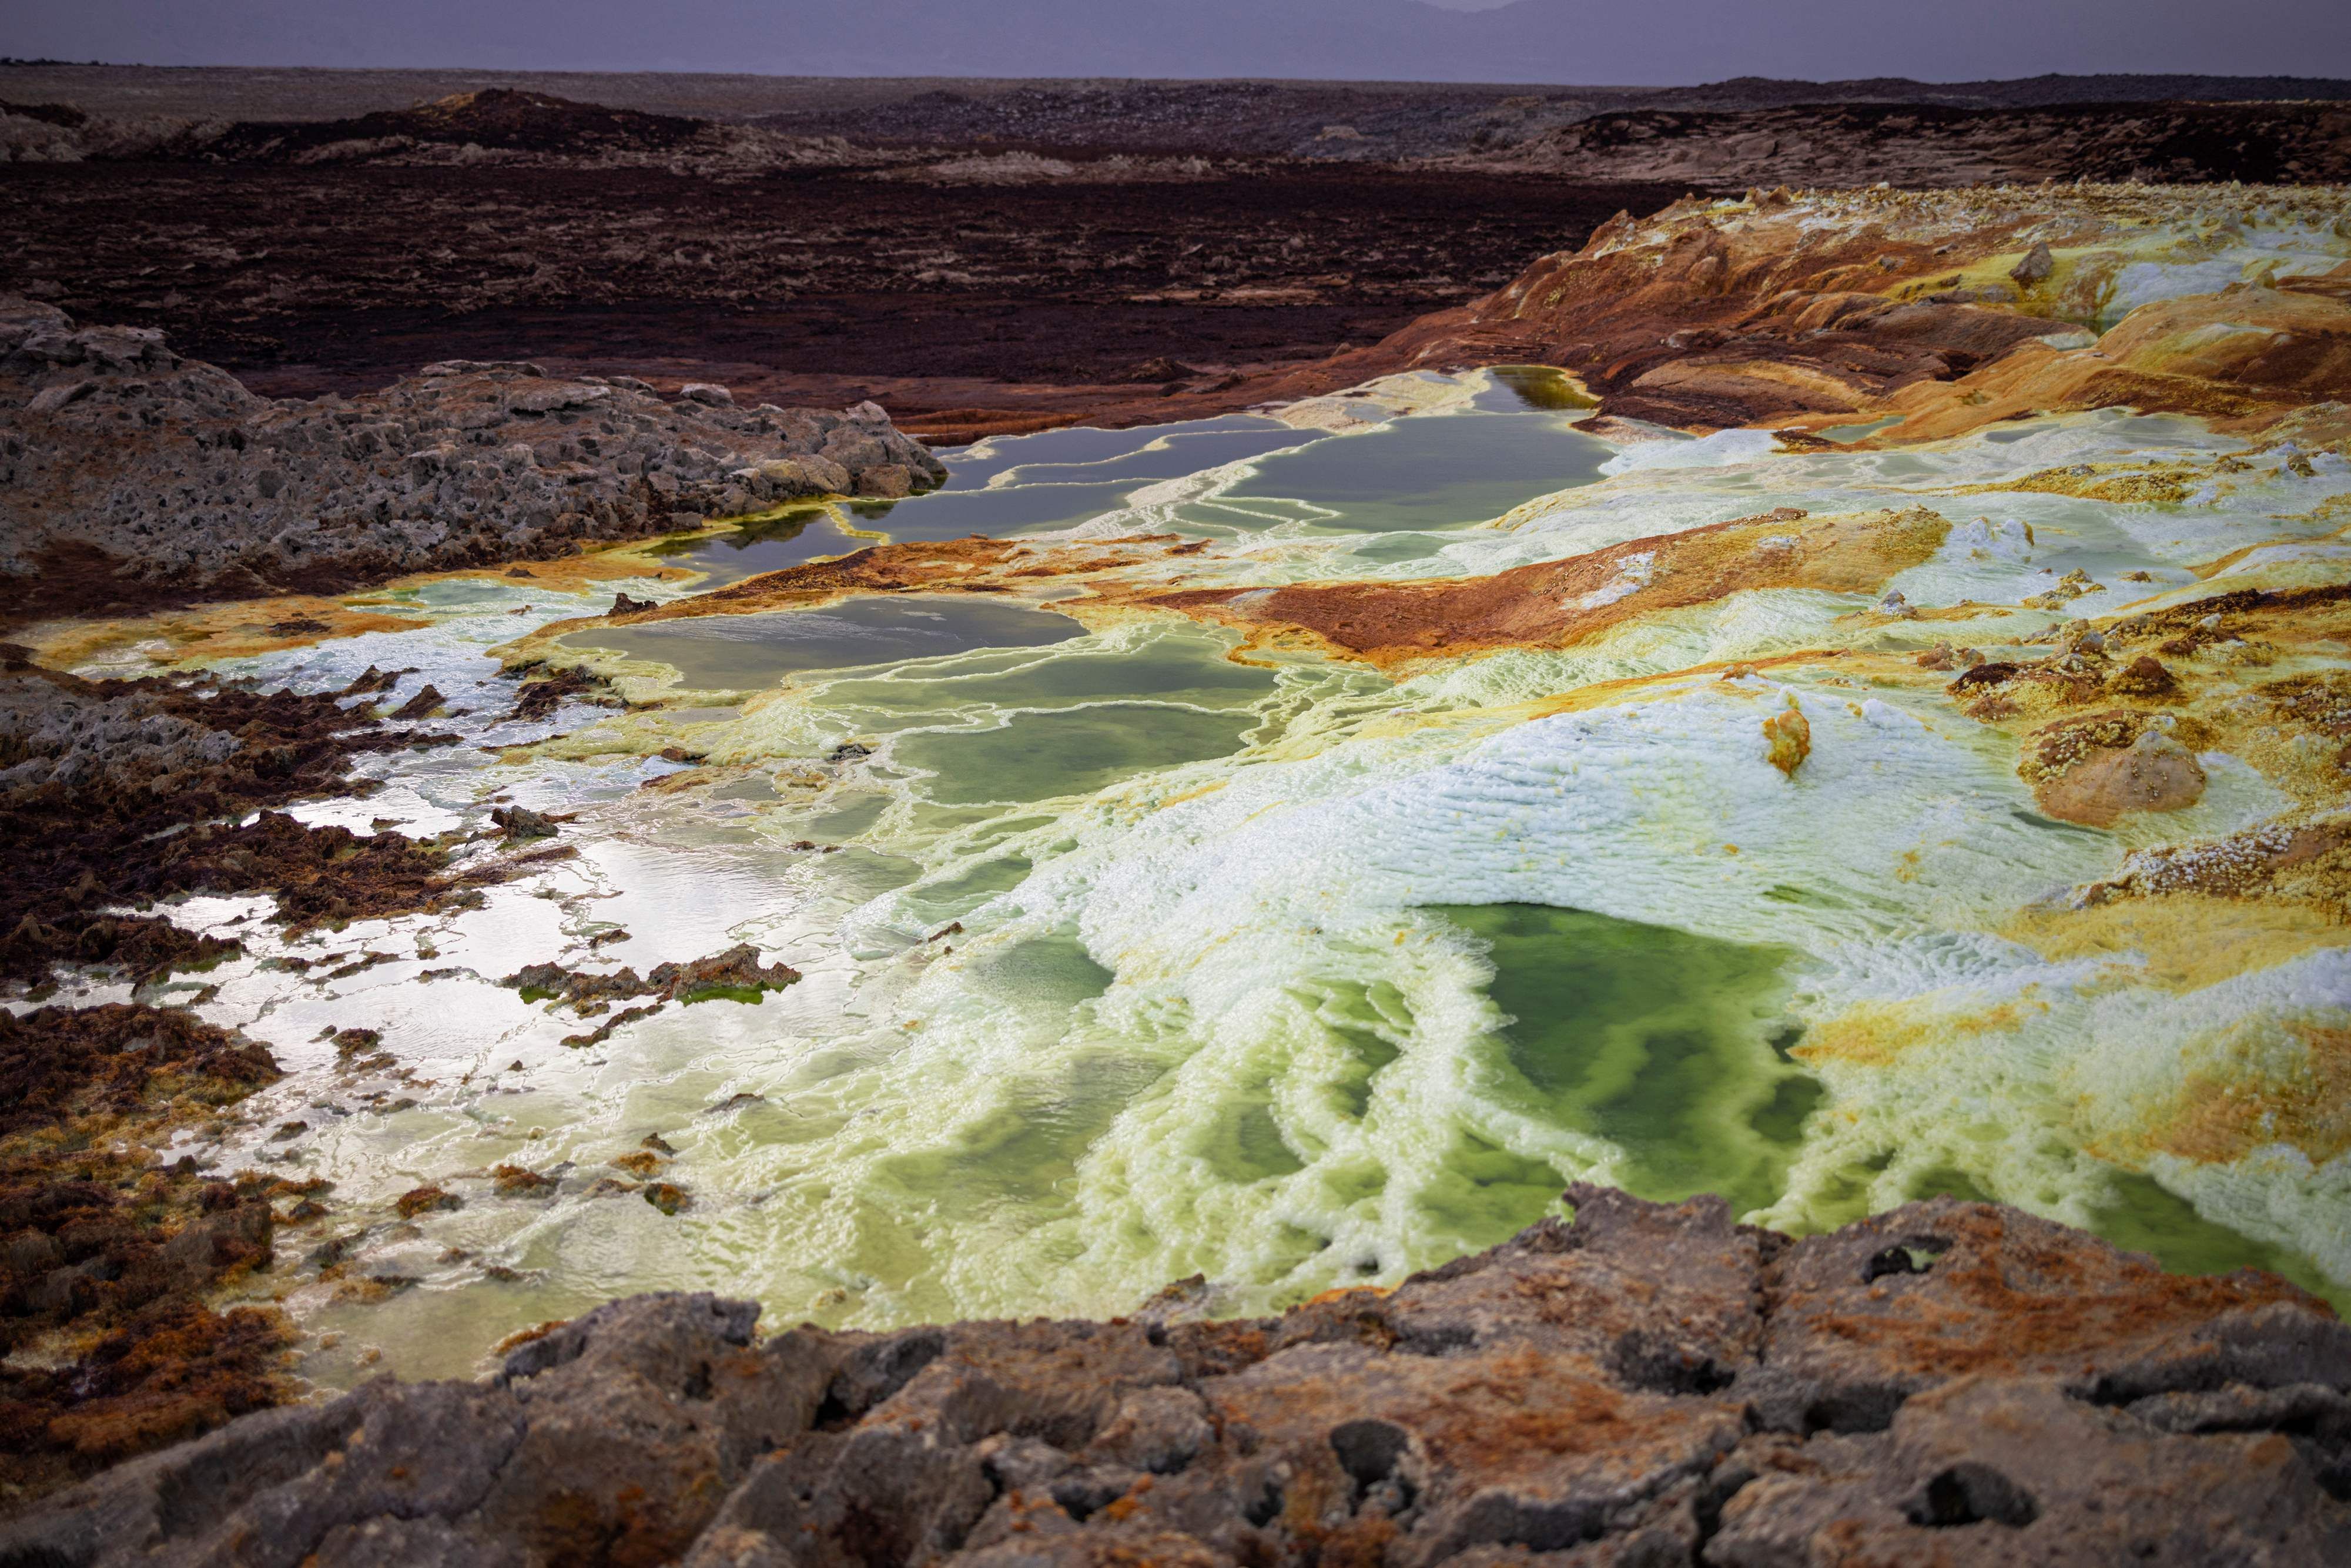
[975, 256]
[818, 287]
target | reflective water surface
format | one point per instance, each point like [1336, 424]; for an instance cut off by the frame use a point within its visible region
[1128, 952]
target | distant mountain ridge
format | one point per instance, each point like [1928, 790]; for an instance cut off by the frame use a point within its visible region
[1531, 41]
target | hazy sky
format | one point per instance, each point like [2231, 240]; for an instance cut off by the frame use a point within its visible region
[1599, 41]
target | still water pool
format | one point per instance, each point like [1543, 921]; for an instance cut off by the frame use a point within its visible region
[1127, 952]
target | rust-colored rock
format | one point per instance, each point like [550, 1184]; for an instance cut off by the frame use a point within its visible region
[736, 974]
[2144, 676]
[102, 1243]
[425, 1201]
[2154, 773]
[1788, 739]
[1808, 310]
[516, 1181]
[1949, 1382]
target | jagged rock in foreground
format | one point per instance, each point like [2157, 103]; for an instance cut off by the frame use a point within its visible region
[129, 476]
[1951, 1382]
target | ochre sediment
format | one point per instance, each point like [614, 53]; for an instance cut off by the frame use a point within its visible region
[1818, 308]
[108, 1255]
[1554, 604]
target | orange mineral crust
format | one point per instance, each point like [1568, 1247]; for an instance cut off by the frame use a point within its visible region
[1553, 604]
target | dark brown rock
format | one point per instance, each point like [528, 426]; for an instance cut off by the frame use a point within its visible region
[168, 480]
[1647, 1384]
[104, 1245]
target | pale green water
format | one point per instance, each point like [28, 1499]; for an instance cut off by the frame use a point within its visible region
[772, 544]
[1660, 1042]
[1431, 471]
[1033, 756]
[1281, 972]
[727, 653]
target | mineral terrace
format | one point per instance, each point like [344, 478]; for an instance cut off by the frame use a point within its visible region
[1022, 929]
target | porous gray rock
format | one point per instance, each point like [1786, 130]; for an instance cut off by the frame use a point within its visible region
[1649, 1384]
[130, 475]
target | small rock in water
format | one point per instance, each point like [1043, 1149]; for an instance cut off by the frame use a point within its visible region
[421, 704]
[522, 823]
[517, 1181]
[425, 1201]
[1788, 738]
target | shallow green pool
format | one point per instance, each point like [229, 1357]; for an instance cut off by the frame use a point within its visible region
[734, 652]
[1670, 1045]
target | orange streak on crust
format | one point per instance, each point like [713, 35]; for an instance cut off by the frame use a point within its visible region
[1981, 1323]
[2219, 1120]
[2241, 358]
[1555, 604]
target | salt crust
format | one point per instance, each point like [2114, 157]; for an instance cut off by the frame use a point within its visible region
[1251, 911]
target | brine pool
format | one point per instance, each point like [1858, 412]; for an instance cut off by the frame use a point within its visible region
[1124, 959]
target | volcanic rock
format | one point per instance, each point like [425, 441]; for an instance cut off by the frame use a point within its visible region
[130, 475]
[107, 1252]
[498, 126]
[1649, 1383]
[1926, 144]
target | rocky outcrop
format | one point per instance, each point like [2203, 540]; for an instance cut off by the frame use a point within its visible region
[1817, 307]
[1927, 144]
[1949, 1382]
[130, 475]
[494, 125]
[736, 972]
